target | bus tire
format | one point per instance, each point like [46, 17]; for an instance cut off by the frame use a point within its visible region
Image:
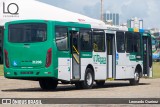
[48, 84]
[88, 79]
[135, 80]
[100, 83]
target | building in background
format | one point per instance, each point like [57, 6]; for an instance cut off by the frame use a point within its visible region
[111, 18]
[135, 23]
[156, 33]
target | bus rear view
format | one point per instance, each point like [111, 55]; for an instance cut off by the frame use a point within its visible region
[27, 50]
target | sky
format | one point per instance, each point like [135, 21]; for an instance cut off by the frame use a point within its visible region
[148, 10]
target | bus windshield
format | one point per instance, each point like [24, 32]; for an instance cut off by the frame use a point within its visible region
[27, 33]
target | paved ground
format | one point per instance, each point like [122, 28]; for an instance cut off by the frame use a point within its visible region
[148, 88]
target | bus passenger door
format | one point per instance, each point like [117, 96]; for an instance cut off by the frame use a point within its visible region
[147, 55]
[111, 58]
[75, 54]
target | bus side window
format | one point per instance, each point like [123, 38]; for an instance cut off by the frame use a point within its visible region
[99, 41]
[85, 40]
[61, 38]
[129, 42]
[120, 41]
[136, 42]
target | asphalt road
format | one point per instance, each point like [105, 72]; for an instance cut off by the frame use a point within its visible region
[148, 88]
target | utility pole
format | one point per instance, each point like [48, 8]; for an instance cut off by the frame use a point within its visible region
[102, 10]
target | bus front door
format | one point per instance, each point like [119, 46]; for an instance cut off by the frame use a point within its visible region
[147, 56]
[111, 58]
[75, 55]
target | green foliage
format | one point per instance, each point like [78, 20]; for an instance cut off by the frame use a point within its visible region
[156, 69]
[1, 70]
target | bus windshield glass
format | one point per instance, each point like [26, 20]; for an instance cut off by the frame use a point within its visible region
[27, 33]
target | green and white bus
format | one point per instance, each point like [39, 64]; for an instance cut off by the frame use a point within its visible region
[53, 52]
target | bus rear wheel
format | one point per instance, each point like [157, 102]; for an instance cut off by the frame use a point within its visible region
[135, 80]
[48, 83]
[88, 80]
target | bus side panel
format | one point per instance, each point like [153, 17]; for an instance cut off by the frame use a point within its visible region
[64, 68]
[130, 65]
[131, 69]
[84, 63]
[121, 66]
[99, 62]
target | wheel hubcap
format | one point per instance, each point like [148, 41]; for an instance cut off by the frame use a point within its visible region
[136, 76]
[89, 79]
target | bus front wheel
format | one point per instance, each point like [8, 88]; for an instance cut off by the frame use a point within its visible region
[48, 84]
[88, 80]
[135, 80]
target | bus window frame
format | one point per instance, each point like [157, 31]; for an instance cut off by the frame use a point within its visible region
[134, 37]
[131, 50]
[58, 26]
[25, 24]
[93, 40]
[123, 42]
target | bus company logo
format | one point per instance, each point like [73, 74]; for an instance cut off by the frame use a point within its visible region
[10, 10]
[99, 59]
[132, 57]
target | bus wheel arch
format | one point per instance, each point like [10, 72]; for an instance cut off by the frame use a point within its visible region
[91, 67]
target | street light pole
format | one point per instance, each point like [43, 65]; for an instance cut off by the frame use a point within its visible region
[102, 10]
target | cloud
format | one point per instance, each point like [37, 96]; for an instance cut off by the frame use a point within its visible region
[92, 11]
[71, 5]
[153, 18]
[148, 10]
[136, 8]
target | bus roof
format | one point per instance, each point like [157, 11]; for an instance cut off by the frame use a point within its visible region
[58, 23]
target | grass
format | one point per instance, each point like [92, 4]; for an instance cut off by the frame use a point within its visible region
[156, 70]
[1, 70]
